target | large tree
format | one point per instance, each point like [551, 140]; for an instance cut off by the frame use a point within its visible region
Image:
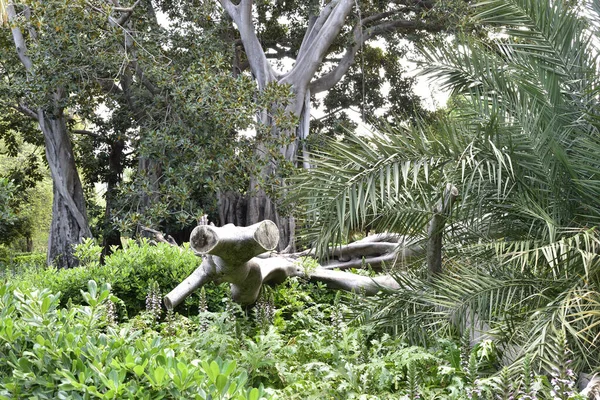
[47, 105]
[323, 41]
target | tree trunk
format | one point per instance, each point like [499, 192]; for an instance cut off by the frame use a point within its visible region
[69, 216]
[232, 208]
[319, 36]
[111, 236]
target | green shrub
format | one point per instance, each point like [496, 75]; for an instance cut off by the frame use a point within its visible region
[129, 271]
[14, 263]
[26, 261]
[47, 352]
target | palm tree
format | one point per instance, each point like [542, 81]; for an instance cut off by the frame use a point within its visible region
[521, 143]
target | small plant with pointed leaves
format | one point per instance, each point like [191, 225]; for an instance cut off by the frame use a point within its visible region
[153, 300]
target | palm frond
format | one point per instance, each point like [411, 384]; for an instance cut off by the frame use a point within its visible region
[521, 144]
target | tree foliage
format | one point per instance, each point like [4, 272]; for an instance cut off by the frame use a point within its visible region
[169, 99]
[519, 142]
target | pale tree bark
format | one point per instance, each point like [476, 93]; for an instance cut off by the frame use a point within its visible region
[230, 254]
[69, 216]
[321, 32]
[316, 43]
[235, 255]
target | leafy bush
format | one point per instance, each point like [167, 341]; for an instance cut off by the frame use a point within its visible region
[311, 352]
[129, 271]
[47, 352]
[12, 263]
[24, 261]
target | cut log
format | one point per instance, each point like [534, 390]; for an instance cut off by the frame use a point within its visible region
[236, 255]
[229, 255]
[233, 243]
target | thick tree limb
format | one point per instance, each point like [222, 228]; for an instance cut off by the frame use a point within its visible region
[361, 35]
[318, 43]
[275, 270]
[242, 16]
[314, 28]
[436, 229]
[27, 111]
[88, 133]
[330, 79]
[18, 38]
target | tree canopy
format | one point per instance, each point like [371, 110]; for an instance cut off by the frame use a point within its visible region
[169, 99]
[519, 142]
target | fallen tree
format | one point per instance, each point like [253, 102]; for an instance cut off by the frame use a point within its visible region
[237, 255]
[233, 254]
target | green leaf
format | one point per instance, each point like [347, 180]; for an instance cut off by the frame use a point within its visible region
[215, 370]
[138, 370]
[221, 382]
[92, 288]
[159, 375]
[229, 368]
[253, 395]
[39, 339]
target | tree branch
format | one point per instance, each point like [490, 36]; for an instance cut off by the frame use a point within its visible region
[229, 7]
[230, 254]
[318, 43]
[88, 133]
[314, 27]
[242, 16]
[331, 78]
[127, 12]
[18, 38]
[27, 111]
[158, 236]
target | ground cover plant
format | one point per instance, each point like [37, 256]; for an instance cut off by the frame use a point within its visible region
[297, 342]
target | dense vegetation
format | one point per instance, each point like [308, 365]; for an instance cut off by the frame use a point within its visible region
[77, 341]
[512, 310]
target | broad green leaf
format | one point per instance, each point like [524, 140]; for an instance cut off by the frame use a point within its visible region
[159, 375]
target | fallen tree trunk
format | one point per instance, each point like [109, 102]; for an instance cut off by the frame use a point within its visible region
[236, 255]
[229, 254]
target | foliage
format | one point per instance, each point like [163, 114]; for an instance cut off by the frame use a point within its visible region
[9, 220]
[161, 97]
[50, 352]
[520, 144]
[128, 270]
[31, 194]
[78, 352]
[15, 263]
